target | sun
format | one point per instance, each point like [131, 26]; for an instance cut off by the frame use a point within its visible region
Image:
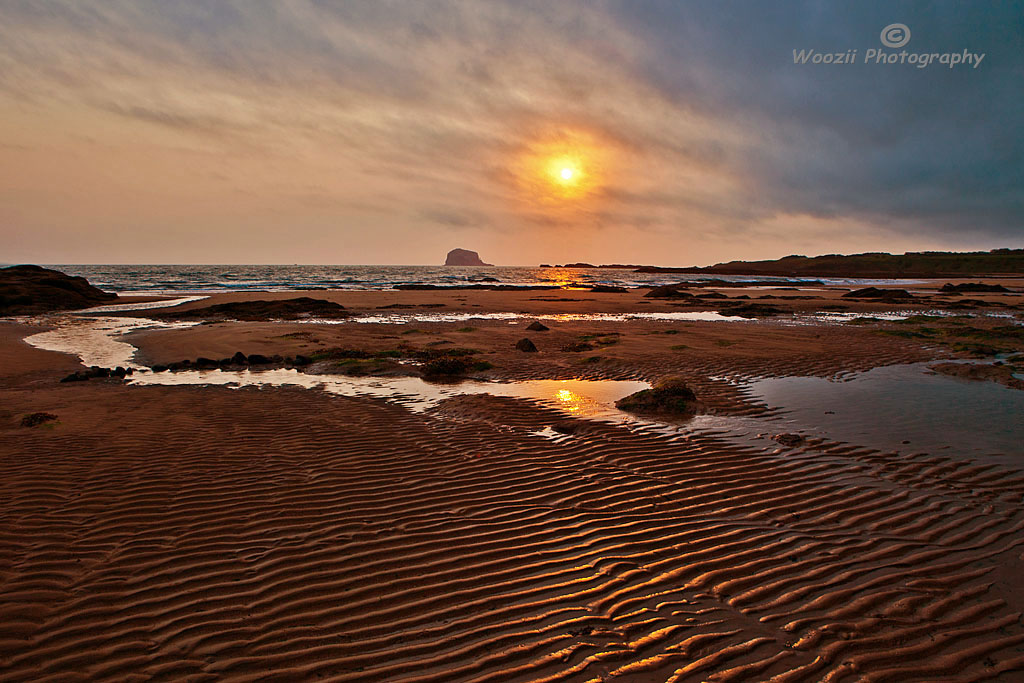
[566, 174]
[564, 170]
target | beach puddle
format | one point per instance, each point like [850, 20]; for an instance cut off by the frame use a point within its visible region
[403, 318]
[580, 398]
[95, 339]
[903, 408]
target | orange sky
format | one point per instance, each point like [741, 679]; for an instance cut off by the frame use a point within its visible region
[232, 134]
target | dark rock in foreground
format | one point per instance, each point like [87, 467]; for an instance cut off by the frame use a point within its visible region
[789, 440]
[608, 289]
[25, 290]
[668, 397]
[537, 326]
[526, 345]
[279, 309]
[95, 372]
[464, 257]
[36, 419]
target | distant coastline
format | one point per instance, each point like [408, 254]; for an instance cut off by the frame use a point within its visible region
[924, 264]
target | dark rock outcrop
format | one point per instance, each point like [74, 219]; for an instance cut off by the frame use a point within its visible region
[26, 290]
[881, 294]
[96, 372]
[278, 309]
[668, 397]
[972, 287]
[668, 292]
[537, 326]
[788, 440]
[608, 289]
[464, 257]
[526, 345]
[36, 419]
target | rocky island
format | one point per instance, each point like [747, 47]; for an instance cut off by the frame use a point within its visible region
[464, 257]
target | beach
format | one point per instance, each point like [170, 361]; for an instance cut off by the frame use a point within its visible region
[202, 532]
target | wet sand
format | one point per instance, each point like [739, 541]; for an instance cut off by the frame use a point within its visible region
[208, 533]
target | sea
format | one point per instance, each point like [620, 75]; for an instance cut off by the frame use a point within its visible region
[210, 279]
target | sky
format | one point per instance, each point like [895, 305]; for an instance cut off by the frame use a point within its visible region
[378, 132]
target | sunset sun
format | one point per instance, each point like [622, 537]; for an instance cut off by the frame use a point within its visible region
[566, 173]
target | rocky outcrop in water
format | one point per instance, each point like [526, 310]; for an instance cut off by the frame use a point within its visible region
[464, 257]
[26, 290]
[668, 397]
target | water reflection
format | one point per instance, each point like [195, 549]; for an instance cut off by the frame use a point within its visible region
[582, 398]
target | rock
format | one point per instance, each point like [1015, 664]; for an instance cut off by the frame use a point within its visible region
[545, 265]
[301, 360]
[788, 440]
[277, 309]
[999, 373]
[36, 419]
[579, 265]
[608, 289]
[876, 293]
[464, 257]
[206, 363]
[526, 345]
[159, 368]
[972, 287]
[753, 310]
[80, 376]
[537, 326]
[670, 396]
[447, 367]
[258, 359]
[239, 358]
[712, 295]
[578, 347]
[30, 289]
[668, 292]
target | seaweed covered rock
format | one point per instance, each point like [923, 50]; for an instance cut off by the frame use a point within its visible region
[277, 309]
[668, 397]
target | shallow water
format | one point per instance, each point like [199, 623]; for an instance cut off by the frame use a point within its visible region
[403, 318]
[96, 339]
[886, 406]
[581, 398]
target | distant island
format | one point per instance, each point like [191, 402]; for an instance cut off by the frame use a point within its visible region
[927, 264]
[464, 257]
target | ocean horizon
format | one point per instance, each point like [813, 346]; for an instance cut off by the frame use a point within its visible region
[211, 279]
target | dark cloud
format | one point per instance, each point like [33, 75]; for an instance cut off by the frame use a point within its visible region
[936, 145]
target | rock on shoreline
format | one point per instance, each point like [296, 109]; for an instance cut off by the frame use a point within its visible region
[27, 289]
